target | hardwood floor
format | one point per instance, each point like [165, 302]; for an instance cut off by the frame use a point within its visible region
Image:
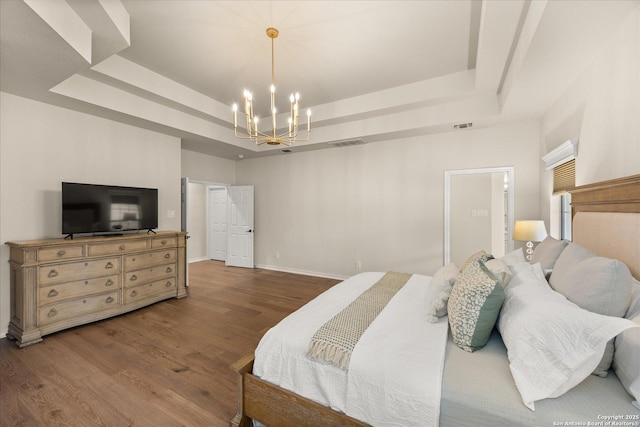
[163, 365]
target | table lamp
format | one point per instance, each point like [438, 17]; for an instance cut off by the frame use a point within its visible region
[529, 231]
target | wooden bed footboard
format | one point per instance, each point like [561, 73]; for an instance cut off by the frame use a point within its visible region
[274, 406]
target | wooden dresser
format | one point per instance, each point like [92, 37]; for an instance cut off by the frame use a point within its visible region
[57, 284]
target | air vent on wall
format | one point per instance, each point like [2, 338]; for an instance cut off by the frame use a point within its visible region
[462, 125]
[346, 143]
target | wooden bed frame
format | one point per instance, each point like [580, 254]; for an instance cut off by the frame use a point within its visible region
[275, 406]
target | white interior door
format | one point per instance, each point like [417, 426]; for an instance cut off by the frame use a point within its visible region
[240, 226]
[217, 223]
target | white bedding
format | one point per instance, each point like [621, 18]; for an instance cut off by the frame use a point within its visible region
[382, 387]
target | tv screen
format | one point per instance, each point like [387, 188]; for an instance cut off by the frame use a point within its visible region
[90, 208]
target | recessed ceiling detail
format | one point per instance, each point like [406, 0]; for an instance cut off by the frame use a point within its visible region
[175, 66]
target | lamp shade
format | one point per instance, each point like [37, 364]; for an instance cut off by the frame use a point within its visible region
[529, 231]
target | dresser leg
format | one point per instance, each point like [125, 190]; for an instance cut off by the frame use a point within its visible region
[24, 339]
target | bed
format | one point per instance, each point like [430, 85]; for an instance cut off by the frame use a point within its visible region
[478, 388]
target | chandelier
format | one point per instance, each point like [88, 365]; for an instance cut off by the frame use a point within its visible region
[271, 137]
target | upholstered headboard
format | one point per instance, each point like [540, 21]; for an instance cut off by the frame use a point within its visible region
[606, 219]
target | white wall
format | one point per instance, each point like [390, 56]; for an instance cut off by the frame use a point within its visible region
[205, 168]
[601, 109]
[469, 192]
[42, 145]
[197, 222]
[381, 203]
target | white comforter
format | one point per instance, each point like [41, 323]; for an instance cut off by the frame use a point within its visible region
[395, 374]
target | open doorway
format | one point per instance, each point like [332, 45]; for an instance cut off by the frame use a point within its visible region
[198, 219]
[219, 219]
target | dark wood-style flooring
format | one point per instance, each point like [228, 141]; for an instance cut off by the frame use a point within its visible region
[163, 365]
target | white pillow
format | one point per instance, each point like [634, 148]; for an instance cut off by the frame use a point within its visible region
[552, 343]
[439, 291]
[514, 257]
[500, 269]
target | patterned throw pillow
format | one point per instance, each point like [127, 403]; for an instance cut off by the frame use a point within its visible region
[474, 305]
[480, 255]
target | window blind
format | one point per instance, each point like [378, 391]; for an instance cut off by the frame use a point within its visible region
[564, 177]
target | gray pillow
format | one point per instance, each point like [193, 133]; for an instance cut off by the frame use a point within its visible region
[547, 252]
[600, 285]
[570, 256]
[627, 345]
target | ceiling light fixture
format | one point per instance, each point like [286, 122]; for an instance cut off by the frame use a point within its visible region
[272, 137]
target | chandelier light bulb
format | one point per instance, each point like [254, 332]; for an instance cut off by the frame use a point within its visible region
[235, 107]
[273, 89]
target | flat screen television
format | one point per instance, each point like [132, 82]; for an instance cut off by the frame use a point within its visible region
[91, 208]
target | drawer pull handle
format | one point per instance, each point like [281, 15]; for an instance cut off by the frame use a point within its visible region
[122, 247]
[109, 300]
[52, 293]
[109, 265]
[52, 273]
[61, 253]
[164, 242]
[168, 284]
[133, 278]
[134, 293]
[169, 269]
[52, 312]
[167, 255]
[109, 282]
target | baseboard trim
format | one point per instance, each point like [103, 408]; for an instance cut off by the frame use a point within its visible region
[197, 260]
[303, 272]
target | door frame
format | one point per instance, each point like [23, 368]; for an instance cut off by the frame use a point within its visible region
[186, 205]
[509, 171]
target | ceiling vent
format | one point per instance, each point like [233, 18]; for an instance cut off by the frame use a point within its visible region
[462, 125]
[346, 143]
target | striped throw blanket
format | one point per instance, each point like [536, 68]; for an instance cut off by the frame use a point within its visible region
[334, 342]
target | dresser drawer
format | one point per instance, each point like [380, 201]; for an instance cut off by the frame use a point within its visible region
[164, 242]
[61, 291]
[97, 249]
[60, 252]
[74, 270]
[150, 289]
[149, 259]
[134, 278]
[77, 307]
